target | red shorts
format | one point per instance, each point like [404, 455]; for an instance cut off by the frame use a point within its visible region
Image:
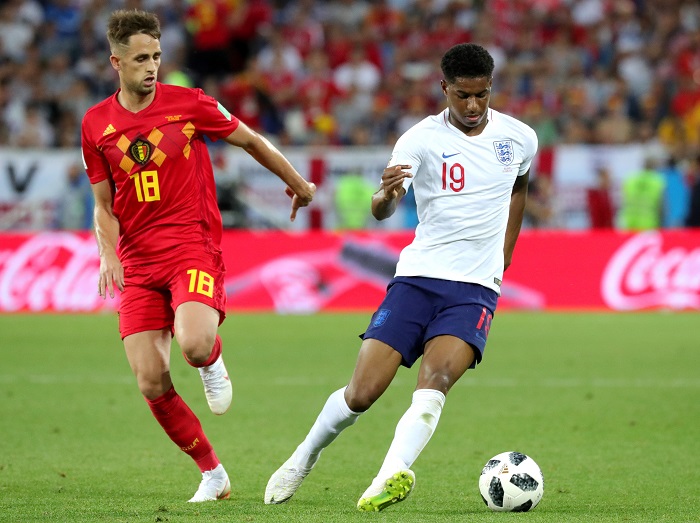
[153, 292]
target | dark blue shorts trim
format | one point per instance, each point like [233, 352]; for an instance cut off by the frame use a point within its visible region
[416, 309]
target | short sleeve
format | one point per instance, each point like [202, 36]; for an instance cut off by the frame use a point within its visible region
[213, 119]
[407, 151]
[529, 150]
[95, 163]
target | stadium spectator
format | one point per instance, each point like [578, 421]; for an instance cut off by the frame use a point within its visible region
[358, 77]
[338, 46]
[641, 208]
[601, 211]
[352, 196]
[676, 195]
[316, 97]
[383, 20]
[52, 44]
[280, 56]
[34, 130]
[441, 276]
[209, 25]
[444, 30]
[66, 17]
[16, 34]
[301, 26]
[376, 128]
[539, 213]
[693, 217]
[614, 125]
[58, 79]
[350, 14]
[250, 21]
[249, 95]
[76, 202]
[146, 144]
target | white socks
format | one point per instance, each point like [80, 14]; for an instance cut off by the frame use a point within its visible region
[335, 417]
[413, 431]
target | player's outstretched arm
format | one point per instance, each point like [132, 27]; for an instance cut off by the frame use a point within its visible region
[267, 155]
[515, 217]
[387, 198]
[107, 235]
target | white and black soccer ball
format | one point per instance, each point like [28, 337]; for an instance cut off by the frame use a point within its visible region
[511, 482]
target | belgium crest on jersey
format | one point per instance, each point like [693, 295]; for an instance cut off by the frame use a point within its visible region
[140, 151]
[504, 151]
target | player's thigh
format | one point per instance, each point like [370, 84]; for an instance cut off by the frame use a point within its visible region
[403, 316]
[198, 298]
[375, 369]
[144, 304]
[445, 359]
[148, 353]
[466, 314]
[196, 324]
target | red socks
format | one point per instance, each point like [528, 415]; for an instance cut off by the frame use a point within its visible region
[181, 424]
[183, 427]
[215, 353]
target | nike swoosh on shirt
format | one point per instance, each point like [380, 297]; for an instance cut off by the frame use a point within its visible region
[449, 155]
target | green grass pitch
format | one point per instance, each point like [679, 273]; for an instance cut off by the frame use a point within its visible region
[607, 404]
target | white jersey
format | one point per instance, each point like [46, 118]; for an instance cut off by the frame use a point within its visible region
[462, 185]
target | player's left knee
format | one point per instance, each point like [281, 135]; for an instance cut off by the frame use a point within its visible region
[196, 346]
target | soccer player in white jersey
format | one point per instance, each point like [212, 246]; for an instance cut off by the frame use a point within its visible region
[469, 166]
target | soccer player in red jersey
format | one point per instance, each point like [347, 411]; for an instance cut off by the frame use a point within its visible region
[158, 228]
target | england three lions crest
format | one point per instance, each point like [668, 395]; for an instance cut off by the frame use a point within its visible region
[504, 151]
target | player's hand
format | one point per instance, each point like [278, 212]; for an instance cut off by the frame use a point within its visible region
[300, 200]
[111, 275]
[392, 180]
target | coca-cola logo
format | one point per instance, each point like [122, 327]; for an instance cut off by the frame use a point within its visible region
[293, 285]
[51, 271]
[641, 275]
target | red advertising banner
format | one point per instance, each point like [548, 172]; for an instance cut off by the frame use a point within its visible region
[323, 271]
[49, 272]
[610, 270]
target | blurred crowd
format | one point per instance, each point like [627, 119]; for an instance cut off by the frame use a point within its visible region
[357, 72]
[361, 72]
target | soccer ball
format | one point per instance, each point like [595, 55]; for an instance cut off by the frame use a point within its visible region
[511, 482]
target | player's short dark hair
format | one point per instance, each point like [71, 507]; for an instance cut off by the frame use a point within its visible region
[466, 61]
[125, 23]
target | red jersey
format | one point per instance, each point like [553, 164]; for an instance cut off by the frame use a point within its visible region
[159, 166]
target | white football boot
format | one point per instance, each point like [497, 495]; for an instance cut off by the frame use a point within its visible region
[215, 485]
[284, 483]
[217, 386]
